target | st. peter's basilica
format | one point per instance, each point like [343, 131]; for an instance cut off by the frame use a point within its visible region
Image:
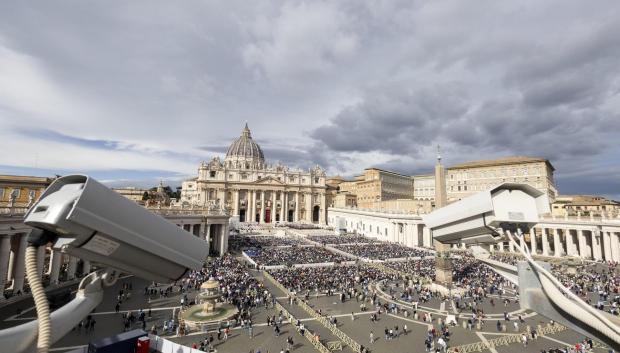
[254, 191]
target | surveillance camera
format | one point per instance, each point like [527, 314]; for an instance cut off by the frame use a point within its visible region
[482, 217]
[97, 224]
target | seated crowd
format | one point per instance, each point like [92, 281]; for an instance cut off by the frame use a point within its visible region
[293, 255]
[341, 239]
[383, 251]
[328, 279]
[260, 241]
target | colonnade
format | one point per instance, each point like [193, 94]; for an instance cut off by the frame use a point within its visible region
[585, 241]
[50, 263]
[215, 234]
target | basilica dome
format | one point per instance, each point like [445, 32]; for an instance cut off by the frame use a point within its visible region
[244, 153]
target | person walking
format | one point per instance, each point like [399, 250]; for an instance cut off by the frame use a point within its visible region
[372, 337]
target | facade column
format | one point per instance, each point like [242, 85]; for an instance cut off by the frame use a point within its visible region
[284, 208]
[545, 241]
[272, 216]
[533, 241]
[20, 265]
[309, 207]
[323, 210]
[297, 206]
[583, 248]
[262, 206]
[250, 213]
[511, 246]
[236, 202]
[71, 268]
[557, 246]
[54, 268]
[5, 251]
[501, 246]
[606, 246]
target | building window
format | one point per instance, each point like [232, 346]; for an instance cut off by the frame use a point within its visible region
[1, 193]
[212, 174]
[16, 193]
[244, 176]
[465, 188]
[316, 180]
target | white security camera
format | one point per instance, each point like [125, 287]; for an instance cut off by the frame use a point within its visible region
[97, 224]
[482, 217]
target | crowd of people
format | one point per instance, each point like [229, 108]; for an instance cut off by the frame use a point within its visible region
[383, 251]
[241, 242]
[341, 239]
[329, 279]
[293, 255]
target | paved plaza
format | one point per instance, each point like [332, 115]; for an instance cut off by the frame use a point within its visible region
[337, 293]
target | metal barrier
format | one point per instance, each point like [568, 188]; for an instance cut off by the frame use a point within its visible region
[309, 336]
[504, 340]
[334, 346]
[356, 347]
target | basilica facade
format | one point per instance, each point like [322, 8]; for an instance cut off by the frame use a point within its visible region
[253, 191]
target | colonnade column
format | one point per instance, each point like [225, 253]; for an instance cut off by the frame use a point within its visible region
[297, 207]
[583, 248]
[54, 267]
[615, 246]
[606, 246]
[557, 246]
[596, 244]
[501, 246]
[416, 235]
[262, 207]
[545, 241]
[426, 237]
[5, 251]
[19, 271]
[223, 242]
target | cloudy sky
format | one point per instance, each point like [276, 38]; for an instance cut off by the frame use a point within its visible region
[134, 92]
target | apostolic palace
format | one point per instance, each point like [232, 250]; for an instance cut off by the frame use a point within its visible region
[254, 191]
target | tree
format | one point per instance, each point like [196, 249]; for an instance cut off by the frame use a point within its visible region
[145, 196]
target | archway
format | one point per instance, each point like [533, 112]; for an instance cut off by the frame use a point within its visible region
[290, 215]
[315, 214]
[267, 216]
[277, 217]
[241, 215]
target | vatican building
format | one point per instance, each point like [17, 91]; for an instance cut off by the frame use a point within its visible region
[254, 191]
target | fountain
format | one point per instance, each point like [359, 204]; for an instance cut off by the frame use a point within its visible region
[207, 309]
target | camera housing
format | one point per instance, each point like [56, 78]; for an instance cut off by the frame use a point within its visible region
[482, 217]
[97, 224]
